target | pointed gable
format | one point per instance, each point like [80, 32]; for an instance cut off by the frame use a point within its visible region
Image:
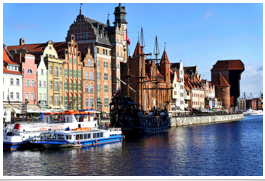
[138, 50]
[165, 57]
[219, 80]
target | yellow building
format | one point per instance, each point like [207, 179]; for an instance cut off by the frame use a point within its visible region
[55, 77]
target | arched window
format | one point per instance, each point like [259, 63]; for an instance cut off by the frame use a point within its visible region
[29, 71]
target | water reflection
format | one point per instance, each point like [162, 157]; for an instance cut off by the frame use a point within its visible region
[234, 148]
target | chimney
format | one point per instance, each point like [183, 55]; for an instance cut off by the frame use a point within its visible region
[22, 41]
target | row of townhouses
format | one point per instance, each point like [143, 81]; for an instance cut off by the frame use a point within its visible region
[85, 70]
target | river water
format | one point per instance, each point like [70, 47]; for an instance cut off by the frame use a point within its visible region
[217, 149]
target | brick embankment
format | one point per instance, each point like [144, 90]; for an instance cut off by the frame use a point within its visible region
[192, 120]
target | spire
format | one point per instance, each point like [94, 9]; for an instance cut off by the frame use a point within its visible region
[165, 46]
[108, 20]
[80, 9]
[138, 49]
[165, 57]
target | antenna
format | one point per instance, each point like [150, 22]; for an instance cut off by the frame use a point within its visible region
[142, 38]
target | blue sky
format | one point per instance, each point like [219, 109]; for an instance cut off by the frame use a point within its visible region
[198, 34]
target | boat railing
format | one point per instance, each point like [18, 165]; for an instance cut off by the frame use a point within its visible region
[114, 129]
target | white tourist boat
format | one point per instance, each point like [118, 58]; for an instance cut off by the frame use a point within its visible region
[14, 136]
[251, 112]
[66, 139]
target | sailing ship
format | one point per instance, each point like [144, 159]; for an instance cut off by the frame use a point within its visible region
[130, 116]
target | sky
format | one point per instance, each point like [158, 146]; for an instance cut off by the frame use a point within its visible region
[196, 33]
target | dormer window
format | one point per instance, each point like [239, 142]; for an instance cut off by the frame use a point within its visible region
[106, 37]
[29, 71]
[100, 35]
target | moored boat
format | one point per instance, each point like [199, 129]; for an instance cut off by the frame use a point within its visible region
[66, 139]
[14, 137]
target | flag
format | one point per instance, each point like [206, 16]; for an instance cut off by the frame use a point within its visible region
[128, 41]
[117, 92]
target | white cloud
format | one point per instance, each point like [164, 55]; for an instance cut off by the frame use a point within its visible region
[252, 80]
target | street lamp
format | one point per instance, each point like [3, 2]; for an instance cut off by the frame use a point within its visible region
[99, 108]
[26, 104]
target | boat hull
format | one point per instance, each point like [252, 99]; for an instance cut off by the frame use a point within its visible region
[94, 142]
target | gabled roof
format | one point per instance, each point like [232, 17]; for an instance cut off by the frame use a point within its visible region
[138, 50]
[165, 57]
[228, 65]
[174, 65]
[7, 57]
[219, 80]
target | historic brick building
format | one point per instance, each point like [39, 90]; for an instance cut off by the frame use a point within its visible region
[139, 67]
[107, 43]
[229, 72]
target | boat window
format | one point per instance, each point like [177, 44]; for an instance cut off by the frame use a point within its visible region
[48, 136]
[81, 136]
[88, 136]
[97, 135]
[85, 136]
[60, 137]
[42, 137]
[77, 137]
[68, 137]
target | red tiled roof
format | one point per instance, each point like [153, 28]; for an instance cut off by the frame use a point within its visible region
[35, 48]
[11, 72]
[228, 65]
[219, 80]
[6, 57]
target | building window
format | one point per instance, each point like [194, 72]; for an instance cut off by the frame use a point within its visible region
[104, 63]
[79, 86]
[56, 99]
[91, 102]
[85, 36]
[44, 96]
[76, 36]
[97, 50]
[86, 75]
[70, 73]
[74, 60]
[106, 102]
[11, 81]
[60, 101]
[86, 88]
[56, 85]
[98, 75]
[29, 71]
[44, 83]
[105, 88]
[60, 86]
[60, 71]
[56, 71]
[32, 83]
[79, 73]
[27, 82]
[51, 100]
[50, 70]
[86, 102]
[91, 89]
[65, 72]
[91, 75]
[98, 63]
[70, 86]
[110, 65]
[39, 83]
[98, 102]
[89, 63]
[98, 87]
[75, 73]
[105, 76]
[32, 96]
[27, 95]
[42, 71]
[51, 85]
[103, 51]
[17, 81]
[40, 96]
[70, 60]
[17, 95]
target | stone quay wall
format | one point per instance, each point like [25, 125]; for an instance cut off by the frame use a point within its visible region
[193, 120]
